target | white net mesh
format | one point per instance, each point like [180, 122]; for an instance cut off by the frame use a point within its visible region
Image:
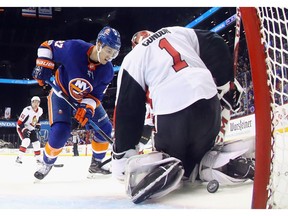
[274, 30]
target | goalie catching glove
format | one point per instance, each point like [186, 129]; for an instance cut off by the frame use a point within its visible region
[43, 70]
[230, 95]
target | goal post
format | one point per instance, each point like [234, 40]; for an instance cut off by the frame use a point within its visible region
[266, 38]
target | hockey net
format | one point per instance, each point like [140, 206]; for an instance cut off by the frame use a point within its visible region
[266, 32]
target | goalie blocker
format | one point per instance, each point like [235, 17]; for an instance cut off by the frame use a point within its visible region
[152, 175]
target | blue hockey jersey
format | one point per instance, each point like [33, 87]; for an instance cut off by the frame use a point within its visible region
[77, 75]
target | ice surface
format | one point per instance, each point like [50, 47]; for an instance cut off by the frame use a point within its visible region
[68, 187]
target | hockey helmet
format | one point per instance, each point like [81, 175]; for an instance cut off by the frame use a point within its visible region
[109, 37]
[139, 36]
[35, 98]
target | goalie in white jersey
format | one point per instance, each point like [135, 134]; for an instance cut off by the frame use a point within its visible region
[185, 104]
[28, 127]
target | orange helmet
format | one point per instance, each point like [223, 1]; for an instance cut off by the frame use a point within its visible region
[139, 36]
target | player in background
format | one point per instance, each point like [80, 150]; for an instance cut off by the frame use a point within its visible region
[28, 127]
[84, 74]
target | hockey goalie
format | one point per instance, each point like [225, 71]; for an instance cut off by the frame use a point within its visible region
[186, 103]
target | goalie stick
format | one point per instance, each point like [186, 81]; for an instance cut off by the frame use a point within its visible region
[237, 38]
[226, 113]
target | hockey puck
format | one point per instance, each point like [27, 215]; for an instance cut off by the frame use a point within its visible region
[212, 186]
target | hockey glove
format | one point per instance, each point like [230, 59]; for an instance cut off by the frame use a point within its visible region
[119, 161]
[84, 113]
[43, 70]
[26, 133]
[37, 127]
[230, 95]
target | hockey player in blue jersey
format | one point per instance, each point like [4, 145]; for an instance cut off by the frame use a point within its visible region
[84, 74]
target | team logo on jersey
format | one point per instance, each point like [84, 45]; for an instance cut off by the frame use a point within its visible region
[34, 121]
[79, 88]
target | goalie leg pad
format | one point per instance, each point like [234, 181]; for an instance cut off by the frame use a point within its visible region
[215, 162]
[163, 178]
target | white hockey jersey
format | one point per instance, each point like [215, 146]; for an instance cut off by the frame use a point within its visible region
[168, 65]
[29, 118]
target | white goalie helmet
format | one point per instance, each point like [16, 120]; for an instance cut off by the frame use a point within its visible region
[35, 98]
[140, 36]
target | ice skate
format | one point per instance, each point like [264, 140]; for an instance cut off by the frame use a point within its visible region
[18, 160]
[96, 169]
[43, 171]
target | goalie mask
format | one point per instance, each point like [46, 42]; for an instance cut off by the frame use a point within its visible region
[140, 36]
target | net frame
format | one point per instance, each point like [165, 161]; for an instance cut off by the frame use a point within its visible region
[266, 37]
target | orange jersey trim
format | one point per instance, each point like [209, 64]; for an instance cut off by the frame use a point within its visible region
[99, 147]
[52, 152]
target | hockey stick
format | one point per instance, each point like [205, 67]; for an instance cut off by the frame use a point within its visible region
[226, 113]
[60, 94]
[237, 38]
[58, 165]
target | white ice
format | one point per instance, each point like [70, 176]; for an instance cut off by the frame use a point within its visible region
[68, 187]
